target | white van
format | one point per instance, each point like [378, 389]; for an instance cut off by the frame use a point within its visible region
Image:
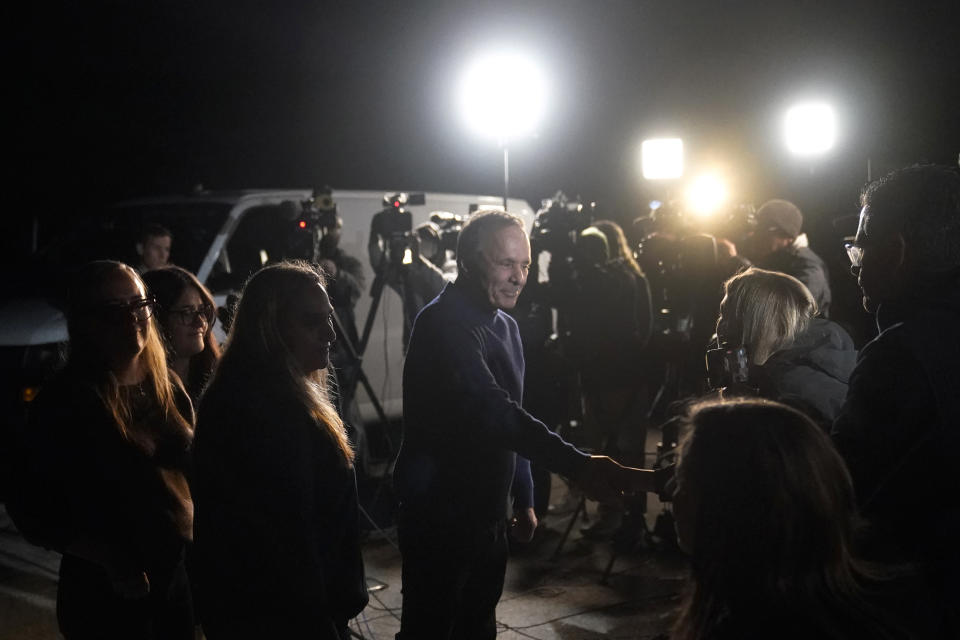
[223, 237]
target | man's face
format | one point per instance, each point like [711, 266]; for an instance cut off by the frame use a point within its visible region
[504, 264]
[762, 242]
[156, 252]
[879, 274]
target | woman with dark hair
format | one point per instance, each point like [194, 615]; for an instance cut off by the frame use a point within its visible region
[765, 507]
[277, 544]
[187, 314]
[102, 476]
[794, 357]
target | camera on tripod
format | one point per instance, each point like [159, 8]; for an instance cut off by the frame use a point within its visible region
[686, 258]
[449, 226]
[392, 242]
[318, 212]
[557, 224]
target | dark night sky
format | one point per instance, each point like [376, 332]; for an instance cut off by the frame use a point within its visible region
[117, 99]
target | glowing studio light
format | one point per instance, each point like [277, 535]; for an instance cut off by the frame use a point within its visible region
[810, 128]
[503, 95]
[662, 158]
[706, 194]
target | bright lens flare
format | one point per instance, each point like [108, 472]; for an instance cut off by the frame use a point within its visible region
[662, 158]
[503, 95]
[810, 128]
[705, 195]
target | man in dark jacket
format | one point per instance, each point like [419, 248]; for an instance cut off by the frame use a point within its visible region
[899, 430]
[777, 244]
[462, 424]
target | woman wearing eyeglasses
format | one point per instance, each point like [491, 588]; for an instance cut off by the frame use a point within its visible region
[277, 531]
[102, 471]
[187, 314]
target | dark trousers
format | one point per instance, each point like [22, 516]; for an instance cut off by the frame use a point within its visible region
[244, 626]
[88, 608]
[452, 580]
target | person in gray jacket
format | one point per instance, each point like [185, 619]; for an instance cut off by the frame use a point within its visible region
[777, 244]
[794, 357]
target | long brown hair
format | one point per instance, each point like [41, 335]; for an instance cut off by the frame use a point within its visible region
[773, 523]
[90, 367]
[619, 247]
[167, 285]
[255, 345]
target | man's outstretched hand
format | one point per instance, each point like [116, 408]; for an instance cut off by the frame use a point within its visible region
[603, 478]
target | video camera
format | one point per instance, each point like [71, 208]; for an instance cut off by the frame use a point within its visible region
[557, 224]
[319, 211]
[391, 230]
[727, 367]
[686, 258]
[733, 222]
[450, 225]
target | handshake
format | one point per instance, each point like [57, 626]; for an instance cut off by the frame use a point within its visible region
[603, 478]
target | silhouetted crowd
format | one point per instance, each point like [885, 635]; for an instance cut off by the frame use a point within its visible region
[814, 490]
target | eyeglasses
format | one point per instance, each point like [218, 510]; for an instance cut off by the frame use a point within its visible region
[855, 253]
[188, 315]
[120, 312]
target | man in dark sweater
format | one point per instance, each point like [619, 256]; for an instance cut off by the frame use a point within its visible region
[462, 429]
[899, 430]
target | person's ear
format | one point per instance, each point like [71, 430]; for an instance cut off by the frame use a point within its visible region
[140, 249]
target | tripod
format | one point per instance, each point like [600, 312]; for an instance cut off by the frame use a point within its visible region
[354, 352]
[397, 275]
[360, 376]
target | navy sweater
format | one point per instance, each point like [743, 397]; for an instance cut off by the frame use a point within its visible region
[462, 420]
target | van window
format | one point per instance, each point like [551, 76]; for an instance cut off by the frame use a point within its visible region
[264, 235]
[114, 234]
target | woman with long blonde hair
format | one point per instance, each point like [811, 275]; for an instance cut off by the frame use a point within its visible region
[277, 541]
[795, 357]
[103, 471]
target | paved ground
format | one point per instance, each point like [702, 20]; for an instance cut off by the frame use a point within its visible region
[548, 597]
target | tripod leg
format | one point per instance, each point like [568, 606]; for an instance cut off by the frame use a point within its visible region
[573, 520]
[376, 293]
[362, 379]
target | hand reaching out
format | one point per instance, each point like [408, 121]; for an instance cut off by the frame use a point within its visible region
[606, 480]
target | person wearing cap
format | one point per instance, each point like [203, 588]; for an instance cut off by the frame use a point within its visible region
[777, 244]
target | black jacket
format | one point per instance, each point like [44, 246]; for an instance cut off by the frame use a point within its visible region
[276, 520]
[78, 478]
[811, 374]
[899, 433]
[807, 267]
